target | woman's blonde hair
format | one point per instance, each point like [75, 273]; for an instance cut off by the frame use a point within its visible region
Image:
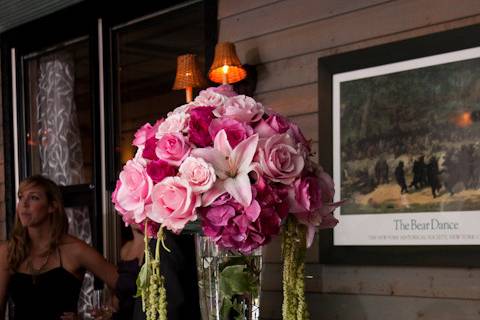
[19, 244]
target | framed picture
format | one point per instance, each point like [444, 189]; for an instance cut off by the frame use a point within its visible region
[403, 123]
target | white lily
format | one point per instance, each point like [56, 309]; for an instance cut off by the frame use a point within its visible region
[231, 167]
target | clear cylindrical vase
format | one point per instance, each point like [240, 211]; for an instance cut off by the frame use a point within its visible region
[229, 282]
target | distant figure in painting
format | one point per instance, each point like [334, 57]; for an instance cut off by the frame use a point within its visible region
[400, 177]
[381, 171]
[432, 173]
[419, 179]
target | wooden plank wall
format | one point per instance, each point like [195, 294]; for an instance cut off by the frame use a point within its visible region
[284, 39]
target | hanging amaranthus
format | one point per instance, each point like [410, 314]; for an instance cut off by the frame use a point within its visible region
[151, 284]
[293, 249]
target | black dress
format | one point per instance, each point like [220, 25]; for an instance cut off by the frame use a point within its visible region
[179, 269]
[44, 296]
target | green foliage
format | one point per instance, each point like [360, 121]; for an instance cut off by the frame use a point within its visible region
[238, 284]
[143, 279]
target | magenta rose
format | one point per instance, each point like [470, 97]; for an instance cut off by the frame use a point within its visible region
[280, 160]
[241, 108]
[200, 119]
[198, 173]
[235, 130]
[172, 148]
[146, 132]
[306, 195]
[174, 203]
[159, 169]
[152, 228]
[149, 149]
[132, 192]
[299, 137]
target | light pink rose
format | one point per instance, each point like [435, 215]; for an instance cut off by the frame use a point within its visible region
[198, 173]
[172, 148]
[280, 160]
[132, 192]
[210, 98]
[174, 203]
[146, 132]
[241, 108]
[177, 122]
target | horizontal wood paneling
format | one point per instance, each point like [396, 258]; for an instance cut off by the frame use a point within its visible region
[291, 72]
[288, 13]
[391, 281]
[230, 7]
[393, 17]
[291, 101]
[365, 307]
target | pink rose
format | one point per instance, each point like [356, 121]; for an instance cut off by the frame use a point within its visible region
[176, 122]
[272, 125]
[299, 137]
[132, 192]
[174, 203]
[280, 160]
[224, 89]
[198, 173]
[235, 130]
[159, 169]
[145, 132]
[172, 148]
[200, 119]
[311, 203]
[241, 108]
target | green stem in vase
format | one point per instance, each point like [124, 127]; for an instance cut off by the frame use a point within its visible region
[293, 249]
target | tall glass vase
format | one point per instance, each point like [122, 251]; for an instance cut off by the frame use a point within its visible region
[229, 282]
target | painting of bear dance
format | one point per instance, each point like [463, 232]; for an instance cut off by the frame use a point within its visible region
[410, 140]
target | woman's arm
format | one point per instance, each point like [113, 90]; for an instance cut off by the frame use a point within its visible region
[4, 278]
[89, 258]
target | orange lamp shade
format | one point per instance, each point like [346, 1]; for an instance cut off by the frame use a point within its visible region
[226, 67]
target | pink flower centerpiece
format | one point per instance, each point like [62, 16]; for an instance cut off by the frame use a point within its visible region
[225, 160]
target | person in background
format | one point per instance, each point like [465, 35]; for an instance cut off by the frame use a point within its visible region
[41, 266]
[178, 267]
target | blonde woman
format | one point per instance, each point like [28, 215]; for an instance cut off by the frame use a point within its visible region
[41, 266]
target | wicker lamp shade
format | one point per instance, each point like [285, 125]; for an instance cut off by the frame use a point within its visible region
[188, 73]
[226, 67]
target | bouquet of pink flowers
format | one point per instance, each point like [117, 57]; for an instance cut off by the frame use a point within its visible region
[225, 160]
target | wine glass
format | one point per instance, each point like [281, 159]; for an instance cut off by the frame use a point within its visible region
[101, 309]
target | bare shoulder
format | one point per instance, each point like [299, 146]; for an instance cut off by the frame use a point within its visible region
[72, 245]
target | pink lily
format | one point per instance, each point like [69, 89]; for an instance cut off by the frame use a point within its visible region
[231, 167]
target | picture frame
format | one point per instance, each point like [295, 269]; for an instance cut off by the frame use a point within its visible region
[433, 222]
